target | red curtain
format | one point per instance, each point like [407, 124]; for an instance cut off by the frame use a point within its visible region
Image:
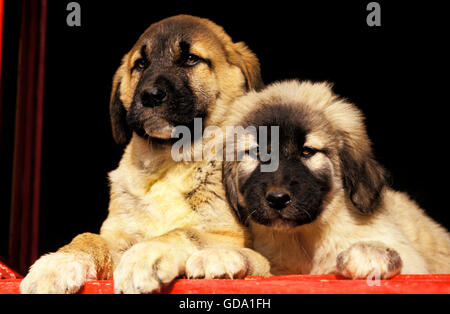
[2, 4]
[1, 32]
[24, 228]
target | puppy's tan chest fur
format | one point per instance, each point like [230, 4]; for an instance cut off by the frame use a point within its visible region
[167, 202]
[285, 252]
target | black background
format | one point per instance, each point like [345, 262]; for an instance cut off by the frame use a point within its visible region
[391, 72]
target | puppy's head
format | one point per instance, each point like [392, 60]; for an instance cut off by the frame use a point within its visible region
[177, 71]
[323, 150]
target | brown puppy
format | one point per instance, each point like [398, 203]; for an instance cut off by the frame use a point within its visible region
[166, 218]
[327, 207]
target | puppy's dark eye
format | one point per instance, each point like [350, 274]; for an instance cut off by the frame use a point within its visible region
[308, 152]
[192, 60]
[254, 153]
[140, 64]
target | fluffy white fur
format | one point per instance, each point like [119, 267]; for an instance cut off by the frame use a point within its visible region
[398, 237]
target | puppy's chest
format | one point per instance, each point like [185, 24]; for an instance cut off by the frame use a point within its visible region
[182, 190]
[290, 253]
[152, 203]
[286, 254]
[206, 185]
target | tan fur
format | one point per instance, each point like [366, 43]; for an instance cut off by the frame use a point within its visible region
[162, 212]
[398, 237]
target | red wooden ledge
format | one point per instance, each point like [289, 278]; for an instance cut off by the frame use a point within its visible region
[306, 284]
[8, 273]
[328, 284]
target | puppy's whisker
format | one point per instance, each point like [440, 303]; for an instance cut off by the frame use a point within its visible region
[247, 220]
[300, 244]
[306, 212]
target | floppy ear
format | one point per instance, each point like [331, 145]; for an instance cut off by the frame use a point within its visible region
[120, 130]
[242, 57]
[363, 179]
[229, 181]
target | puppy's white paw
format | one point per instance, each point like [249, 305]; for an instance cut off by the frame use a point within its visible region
[366, 259]
[217, 263]
[148, 267]
[59, 273]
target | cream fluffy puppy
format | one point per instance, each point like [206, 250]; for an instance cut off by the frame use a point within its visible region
[327, 208]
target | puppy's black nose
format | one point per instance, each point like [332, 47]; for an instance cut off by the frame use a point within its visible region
[153, 97]
[278, 200]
